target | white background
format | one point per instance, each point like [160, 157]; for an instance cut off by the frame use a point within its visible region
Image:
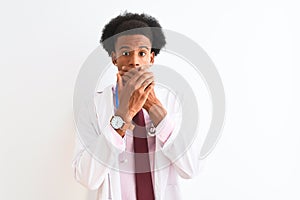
[254, 45]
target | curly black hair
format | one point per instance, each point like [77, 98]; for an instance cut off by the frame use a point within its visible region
[129, 24]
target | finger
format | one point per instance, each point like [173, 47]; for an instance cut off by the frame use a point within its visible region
[137, 69]
[138, 74]
[125, 79]
[127, 71]
[123, 70]
[145, 90]
[147, 83]
[121, 73]
[126, 76]
[142, 78]
[131, 71]
[148, 89]
[138, 78]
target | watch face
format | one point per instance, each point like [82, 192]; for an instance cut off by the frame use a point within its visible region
[117, 122]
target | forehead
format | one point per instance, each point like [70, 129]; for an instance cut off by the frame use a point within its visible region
[132, 41]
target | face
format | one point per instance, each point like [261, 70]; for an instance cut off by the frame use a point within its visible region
[132, 51]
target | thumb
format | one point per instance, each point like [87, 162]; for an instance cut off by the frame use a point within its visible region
[119, 82]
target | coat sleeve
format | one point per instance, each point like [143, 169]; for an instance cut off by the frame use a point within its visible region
[182, 153]
[96, 148]
[87, 170]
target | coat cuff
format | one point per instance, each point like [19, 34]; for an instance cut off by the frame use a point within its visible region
[117, 140]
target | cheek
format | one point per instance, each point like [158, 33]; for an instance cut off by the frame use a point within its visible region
[149, 60]
[146, 59]
[120, 62]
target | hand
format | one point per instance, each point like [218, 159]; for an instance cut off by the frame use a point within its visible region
[153, 106]
[134, 92]
[151, 100]
[127, 73]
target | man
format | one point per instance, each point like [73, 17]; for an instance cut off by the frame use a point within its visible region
[137, 122]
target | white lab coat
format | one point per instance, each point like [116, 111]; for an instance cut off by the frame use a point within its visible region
[96, 176]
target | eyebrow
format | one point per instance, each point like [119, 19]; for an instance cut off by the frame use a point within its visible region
[127, 47]
[124, 47]
[146, 47]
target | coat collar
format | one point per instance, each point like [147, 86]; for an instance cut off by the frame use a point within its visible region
[102, 89]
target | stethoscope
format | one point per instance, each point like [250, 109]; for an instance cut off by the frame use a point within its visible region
[151, 130]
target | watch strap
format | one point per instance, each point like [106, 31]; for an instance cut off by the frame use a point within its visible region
[126, 126]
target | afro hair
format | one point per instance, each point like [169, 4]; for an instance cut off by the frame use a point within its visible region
[129, 24]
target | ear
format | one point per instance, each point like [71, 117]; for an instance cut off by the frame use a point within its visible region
[152, 55]
[113, 58]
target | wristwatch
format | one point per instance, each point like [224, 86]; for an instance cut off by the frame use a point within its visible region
[118, 123]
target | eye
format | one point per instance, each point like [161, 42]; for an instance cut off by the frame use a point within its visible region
[142, 53]
[125, 53]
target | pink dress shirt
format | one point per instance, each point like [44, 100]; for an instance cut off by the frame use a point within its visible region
[127, 179]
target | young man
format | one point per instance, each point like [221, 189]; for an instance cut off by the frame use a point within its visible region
[128, 113]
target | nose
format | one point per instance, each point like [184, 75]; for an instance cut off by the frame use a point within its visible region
[134, 60]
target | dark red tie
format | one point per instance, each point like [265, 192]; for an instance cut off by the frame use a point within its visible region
[143, 180]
